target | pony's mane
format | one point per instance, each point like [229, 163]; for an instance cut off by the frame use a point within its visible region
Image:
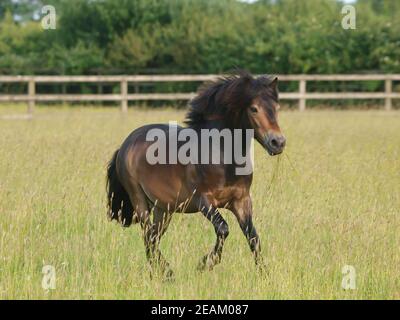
[226, 97]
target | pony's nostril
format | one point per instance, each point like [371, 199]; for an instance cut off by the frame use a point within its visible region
[274, 143]
[278, 142]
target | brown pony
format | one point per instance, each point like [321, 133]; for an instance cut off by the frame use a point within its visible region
[137, 188]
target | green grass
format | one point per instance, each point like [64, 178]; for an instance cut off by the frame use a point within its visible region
[332, 199]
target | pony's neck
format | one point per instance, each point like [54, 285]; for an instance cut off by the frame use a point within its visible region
[223, 124]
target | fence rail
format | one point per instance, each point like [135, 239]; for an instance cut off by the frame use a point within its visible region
[124, 96]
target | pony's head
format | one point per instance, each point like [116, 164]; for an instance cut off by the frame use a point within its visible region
[262, 113]
[242, 101]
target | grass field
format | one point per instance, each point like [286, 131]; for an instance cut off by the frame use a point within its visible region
[332, 199]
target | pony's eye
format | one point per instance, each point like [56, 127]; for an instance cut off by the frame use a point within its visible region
[253, 109]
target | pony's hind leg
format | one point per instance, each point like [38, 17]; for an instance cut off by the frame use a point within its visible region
[222, 232]
[152, 230]
[161, 220]
[152, 233]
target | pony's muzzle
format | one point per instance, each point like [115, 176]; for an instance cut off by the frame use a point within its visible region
[275, 143]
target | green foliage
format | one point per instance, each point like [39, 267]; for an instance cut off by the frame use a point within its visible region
[17, 45]
[207, 36]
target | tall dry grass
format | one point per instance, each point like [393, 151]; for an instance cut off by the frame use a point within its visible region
[332, 199]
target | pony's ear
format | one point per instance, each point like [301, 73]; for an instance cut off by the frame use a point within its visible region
[274, 83]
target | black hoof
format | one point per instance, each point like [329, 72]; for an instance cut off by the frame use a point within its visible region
[162, 274]
[202, 266]
[262, 267]
[168, 276]
[208, 262]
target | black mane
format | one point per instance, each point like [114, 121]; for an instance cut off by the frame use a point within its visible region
[227, 98]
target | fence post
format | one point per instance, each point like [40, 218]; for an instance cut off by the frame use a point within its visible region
[31, 95]
[124, 95]
[302, 92]
[388, 91]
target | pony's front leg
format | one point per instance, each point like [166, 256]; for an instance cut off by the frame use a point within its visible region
[222, 232]
[243, 211]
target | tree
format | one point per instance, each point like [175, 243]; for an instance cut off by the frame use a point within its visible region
[208, 36]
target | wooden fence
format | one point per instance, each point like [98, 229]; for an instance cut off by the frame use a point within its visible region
[124, 96]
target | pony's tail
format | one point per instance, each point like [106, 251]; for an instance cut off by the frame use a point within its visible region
[119, 205]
